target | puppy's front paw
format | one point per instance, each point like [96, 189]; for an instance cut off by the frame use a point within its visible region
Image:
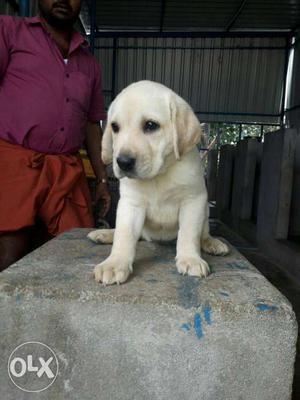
[194, 266]
[214, 246]
[112, 271]
[102, 236]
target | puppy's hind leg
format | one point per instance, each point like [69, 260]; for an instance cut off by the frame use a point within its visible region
[210, 244]
[104, 236]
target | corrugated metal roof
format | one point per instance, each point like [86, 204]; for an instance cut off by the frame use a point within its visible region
[270, 14]
[224, 79]
[189, 15]
[123, 14]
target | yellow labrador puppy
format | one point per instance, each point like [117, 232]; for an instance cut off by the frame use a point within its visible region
[150, 137]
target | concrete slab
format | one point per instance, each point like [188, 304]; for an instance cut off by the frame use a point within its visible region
[159, 336]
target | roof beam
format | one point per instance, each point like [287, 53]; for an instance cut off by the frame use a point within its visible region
[235, 15]
[204, 34]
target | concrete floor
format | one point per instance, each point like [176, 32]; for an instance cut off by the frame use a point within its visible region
[273, 272]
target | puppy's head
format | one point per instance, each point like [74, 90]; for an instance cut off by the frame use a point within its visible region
[148, 128]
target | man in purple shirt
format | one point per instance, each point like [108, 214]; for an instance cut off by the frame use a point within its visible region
[50, 104]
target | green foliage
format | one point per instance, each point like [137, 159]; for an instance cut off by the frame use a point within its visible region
[230, 133]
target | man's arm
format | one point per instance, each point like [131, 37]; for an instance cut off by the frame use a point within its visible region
[93, 147]
[4, 45]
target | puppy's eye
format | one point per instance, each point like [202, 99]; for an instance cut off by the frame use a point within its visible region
[115, 127]
[150, 126]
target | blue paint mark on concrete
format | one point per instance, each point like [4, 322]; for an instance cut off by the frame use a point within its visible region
[265, 307]
[237, 265]
[186, 327]
[18, 298]
[198, 326]
[224, 294]
[162, 260]
[188, 291]
[152, 280]
[207, 314]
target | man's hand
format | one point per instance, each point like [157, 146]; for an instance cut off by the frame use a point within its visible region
[103, 196]
[93, 146]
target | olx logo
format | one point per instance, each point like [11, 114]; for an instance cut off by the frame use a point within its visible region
[33, 367]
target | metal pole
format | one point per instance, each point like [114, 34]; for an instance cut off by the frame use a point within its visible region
[218, 137]
[93, 24]
[286, 63]
[261, 131]
[240, 132]
[24, 8]
[114, 66]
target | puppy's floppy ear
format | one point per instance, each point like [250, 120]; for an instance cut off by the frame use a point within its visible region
[107, 139]
[107, 149]
[187, 130]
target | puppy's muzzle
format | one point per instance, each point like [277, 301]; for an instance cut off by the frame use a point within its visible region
[125, 162]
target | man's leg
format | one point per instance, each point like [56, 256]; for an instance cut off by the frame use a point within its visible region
[39, 234]
[13, 246]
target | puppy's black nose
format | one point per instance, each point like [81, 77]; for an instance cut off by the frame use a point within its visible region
[126, 162]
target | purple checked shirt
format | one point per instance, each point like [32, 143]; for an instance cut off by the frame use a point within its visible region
[45, 103]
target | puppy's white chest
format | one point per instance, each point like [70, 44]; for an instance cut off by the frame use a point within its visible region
[163, 214]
